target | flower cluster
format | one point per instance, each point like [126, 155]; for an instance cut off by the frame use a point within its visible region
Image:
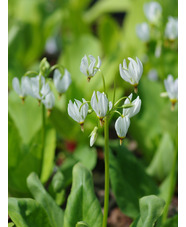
[147, 31]
[100, 103]
[38, 88]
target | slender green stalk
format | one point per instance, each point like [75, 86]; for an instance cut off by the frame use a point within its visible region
[106, 199]
[43, 133]
[172, 186]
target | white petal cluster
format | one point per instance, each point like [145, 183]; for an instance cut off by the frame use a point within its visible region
[143, 31]
[93, 136]
[132, 111]
[23, 88]
[133, 72]
[153, 75]
[153, 11]
[87, 69]
[100, 104]
[171, 30]
[121, 125]
[171, 87]
[49, 101]
[77, 111]
[39, 89]
[62, 83]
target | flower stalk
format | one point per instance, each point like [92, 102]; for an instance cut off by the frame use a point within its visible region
[106, 153]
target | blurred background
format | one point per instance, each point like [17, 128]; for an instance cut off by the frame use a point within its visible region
[64, 31]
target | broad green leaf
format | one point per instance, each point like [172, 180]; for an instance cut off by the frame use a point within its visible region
[26, 158]
[58, 182]
[159, 167]
[27, 213]
[129, 180]
[151, 208]
[27, 116]
[82, 204]
[54, 212]
[82, 224]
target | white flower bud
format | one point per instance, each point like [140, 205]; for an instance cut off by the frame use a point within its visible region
[49, 101]
[100, 104]
[77, 111]
[121, 126]
[171, 30]
[171, 87]
[89, 70]
[38, 87]
[143, 31]
[133, 73]
[153, 11]
[93, 136]
[132, 111]
[63, 83]
[22, 89]
[153, 75]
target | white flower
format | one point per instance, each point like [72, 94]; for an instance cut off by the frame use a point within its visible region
[77, 111]
[171, 87]
[143, 31]
[49, 101]
[100, 104]
[93, 136]
[133, 73]
[153, 75]
[21, 89]
[62, 84]
[89, 70]
[39, 89]
[171, 30]
[153, 11]
[121, 126]
[130, 112]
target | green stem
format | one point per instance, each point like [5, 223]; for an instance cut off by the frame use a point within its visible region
[103, 79]
[106, 198]
[172, 186]
[43, 133]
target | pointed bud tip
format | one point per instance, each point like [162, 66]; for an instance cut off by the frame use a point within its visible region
[136, 89]
[101, 122]
[88, 79]
[82, 127]
[23, 100]
[49, 113]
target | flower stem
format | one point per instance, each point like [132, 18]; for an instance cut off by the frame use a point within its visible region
[43, 134]
[106, 199]
[172, 186]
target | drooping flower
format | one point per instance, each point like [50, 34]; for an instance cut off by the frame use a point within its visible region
[171, 30]
[143, 31]
[87, 69]
[121, 126]
[78, 111]
[100, 105]
[39, 89]
[132, 111]
[93, 136]
[62, 83]
[171, 87]
[49, 101]
[23, 88]
[133, 73]
[153, 11]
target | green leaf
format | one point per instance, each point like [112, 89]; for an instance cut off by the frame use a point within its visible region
[11, 224]
[49, 154]
[58, 182]
[54, 212]
[82, 224]
[129, 180]
[27, 116]
[26, 158]
[27, 213]
[159, 167]
[151, 208]
[173, 222]
[82, 204]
